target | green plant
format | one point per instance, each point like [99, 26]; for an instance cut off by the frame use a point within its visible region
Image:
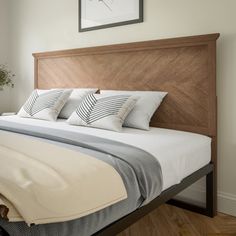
[6, 77]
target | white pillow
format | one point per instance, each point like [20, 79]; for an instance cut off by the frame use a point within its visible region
[45, 104]
[103, 111]
[74, 100]
[143, 110]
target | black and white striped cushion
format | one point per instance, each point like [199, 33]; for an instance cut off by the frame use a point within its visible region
[107, 112]
[44, 104]
[76, 97]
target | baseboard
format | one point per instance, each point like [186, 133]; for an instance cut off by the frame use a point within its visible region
[196, 194]
[227, 203]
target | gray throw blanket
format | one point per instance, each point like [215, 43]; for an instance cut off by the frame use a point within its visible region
[139, 170]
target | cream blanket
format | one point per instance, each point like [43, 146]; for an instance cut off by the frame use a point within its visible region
[42, 182]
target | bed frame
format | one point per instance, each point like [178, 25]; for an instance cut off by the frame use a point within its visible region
[184, 67]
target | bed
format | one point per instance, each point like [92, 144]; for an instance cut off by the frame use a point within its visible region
[186, 69]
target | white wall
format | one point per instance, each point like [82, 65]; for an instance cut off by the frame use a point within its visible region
[53, 24]
[4, 95]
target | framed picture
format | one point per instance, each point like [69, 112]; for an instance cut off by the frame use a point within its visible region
[99, 14]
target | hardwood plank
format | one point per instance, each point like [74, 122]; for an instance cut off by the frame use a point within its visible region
[172, 221]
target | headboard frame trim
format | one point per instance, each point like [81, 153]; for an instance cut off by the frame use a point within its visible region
[127, 47]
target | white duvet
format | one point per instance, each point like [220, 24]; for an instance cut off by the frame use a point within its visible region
[179, 153]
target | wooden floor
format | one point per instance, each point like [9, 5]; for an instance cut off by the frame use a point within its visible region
[171, 221]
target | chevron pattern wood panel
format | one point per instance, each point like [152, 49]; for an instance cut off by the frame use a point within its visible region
[184, 67]
[172, 221]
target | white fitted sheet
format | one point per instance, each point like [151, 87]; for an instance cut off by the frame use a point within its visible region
[179, 153]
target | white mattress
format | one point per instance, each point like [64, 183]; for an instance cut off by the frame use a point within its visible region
[179, 153]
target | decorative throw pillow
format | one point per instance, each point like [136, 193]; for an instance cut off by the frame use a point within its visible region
[103, 111]
[74, 100]
[143, 110]
[45, 104]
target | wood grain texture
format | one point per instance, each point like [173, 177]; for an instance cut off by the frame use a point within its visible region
[172, 221]
[184, 67]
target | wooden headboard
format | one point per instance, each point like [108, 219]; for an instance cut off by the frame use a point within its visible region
[184, 67]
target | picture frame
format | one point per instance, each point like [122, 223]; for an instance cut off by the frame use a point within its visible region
[100, 14]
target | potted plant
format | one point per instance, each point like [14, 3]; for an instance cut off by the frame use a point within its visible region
[6, 77]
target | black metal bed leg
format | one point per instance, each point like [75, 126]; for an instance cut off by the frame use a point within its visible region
[211, 193]
[210, 209]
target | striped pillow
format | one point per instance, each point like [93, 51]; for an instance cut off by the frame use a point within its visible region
[75, 98]
[103, 111]
[45, 104]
